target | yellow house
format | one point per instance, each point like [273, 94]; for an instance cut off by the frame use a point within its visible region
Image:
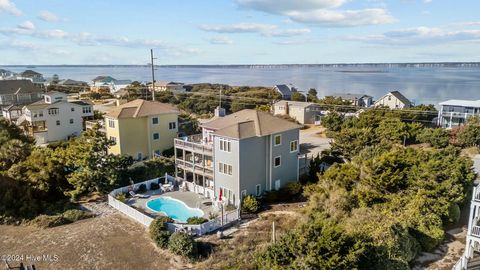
[142, 129]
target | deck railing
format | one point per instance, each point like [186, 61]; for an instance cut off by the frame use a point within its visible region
[194, 143]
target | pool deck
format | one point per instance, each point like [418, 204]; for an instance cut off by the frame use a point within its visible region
[192, 200]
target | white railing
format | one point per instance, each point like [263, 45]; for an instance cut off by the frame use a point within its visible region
[145, 219]
[207, 192]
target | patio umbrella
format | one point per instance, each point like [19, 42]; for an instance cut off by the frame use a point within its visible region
[220, 195]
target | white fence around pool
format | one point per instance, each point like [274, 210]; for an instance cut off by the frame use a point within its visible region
[201, 229]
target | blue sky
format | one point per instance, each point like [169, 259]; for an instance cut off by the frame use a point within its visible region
[238, 31]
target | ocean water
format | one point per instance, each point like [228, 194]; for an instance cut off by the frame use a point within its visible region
[429, 85]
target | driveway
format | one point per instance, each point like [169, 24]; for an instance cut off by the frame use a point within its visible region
[312, 142]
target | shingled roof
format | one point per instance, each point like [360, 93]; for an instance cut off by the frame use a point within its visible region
[249, 123]
[12, 86]
[141, 108]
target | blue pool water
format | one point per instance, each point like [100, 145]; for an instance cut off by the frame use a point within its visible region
[174, 209]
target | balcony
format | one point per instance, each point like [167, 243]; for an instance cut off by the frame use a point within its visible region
[196, 168]
[194, 144]
[36, 129]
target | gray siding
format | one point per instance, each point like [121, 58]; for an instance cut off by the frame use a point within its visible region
[288, 170]
[253, 162]
[231, 158]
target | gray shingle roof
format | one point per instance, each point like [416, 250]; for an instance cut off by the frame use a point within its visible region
[11, 86]
[401, 97]
[284, 89]
[349, 96]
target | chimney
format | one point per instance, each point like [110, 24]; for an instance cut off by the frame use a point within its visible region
[219, 112]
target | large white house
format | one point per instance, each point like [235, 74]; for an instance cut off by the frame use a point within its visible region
[454, 113]
[108, 84]
[394, 100]
[54, 118]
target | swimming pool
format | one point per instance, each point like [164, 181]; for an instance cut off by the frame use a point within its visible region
[173, 208]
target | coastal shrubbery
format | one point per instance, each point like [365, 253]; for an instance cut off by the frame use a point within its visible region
[196, 220]
[183, 244]
[250, 204]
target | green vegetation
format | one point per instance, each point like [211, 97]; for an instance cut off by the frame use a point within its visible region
[250, 204]
[385, 205]
[158, 231]
[196, 220]
[183, 244]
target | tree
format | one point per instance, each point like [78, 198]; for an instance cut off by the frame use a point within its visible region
[437, 137]
[14, 145]
[393, 130]
[312, 95]
[469, 135]
[183, 244]
[332, 121]
[297, 96]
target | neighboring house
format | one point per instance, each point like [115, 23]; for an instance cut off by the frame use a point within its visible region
[360, 100]
[394, 100]
[303, 112]
[18, 92]
[12, 112]
[168, 86]
[35, 77]
[107, 84]
[285, 90]
[54, 118]
[454, 113]
[142, 129]
[6, 74]
[247, 152]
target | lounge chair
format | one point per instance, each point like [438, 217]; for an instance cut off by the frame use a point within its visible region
[135, 195]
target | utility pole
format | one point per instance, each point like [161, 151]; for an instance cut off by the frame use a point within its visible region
[220, 98]
[273, 232]
[153, 75]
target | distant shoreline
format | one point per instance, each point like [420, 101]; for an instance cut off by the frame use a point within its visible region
[339, 65]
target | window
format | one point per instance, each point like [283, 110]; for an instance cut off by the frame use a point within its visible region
[53, 111]
[111, 123]
[40, 114]
[258, 190]
[71, 121]
[72, 109]
[155, 121]
[58, 122]
[139, 156]
[225, 168]
[225, 145]
[172, 125]
[113, 139]
[293, 146]
[277, 161]
[157, 153]
[243, 194]
[278, 140]
[87, 109]
[156, 136]
[389, 97]
[277, 184]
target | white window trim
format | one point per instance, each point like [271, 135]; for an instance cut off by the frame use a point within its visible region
[224, 142]
[280, 161]
[169, 123]
[258, 191]
[221, 168]
[296, 150]
[275, 139]
[158, 121]
[153, 136]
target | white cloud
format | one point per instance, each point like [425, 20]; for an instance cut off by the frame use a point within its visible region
[345, 18]
[282, 6]
[221, 40]
[421, 36]
[320, 12]
[48, 16]
[7, 6]
[27, 25]
[262, 29]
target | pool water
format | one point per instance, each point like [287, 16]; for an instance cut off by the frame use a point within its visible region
[173, 208]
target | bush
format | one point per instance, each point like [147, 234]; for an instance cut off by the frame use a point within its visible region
[73, 215]
[196, 220]
[121, 197]
[45, 221]
[292, 188]
[142, 188]
[183, 244]
[154, 186]
[454, 213]
[158, 231]
[250, 204]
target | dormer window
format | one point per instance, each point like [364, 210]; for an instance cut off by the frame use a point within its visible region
[47, 99]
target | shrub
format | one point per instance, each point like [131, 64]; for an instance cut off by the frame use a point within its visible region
[292, 188]
[158, 231]
[250, 204]
[121, 197]
[45, 221]
[73, 215]
[183, 244]
[196, 220]
[454, 213]
[168, 152]
[142, 188]
[154, 186]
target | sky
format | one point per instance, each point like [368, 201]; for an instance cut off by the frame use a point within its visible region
[48, 32]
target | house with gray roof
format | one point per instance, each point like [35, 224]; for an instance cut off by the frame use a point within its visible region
[244, 153]
[18, 92]
[35, 77]
[394, 100]
[455, 113]
[108, 84]
[360, 100]
[303, 112]
[285, 90]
